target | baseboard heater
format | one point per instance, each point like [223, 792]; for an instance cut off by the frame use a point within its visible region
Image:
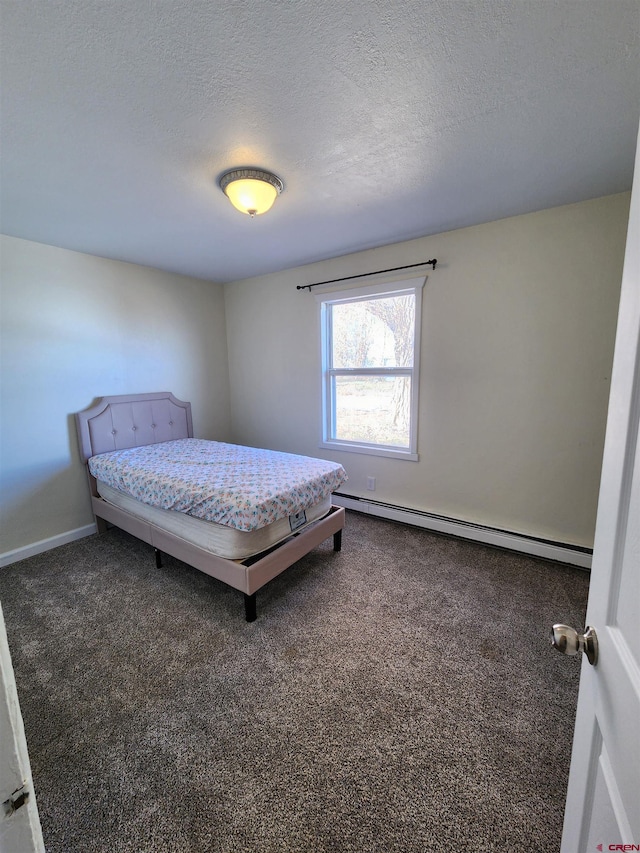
[561, 552]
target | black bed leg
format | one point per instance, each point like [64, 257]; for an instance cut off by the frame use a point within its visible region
[158, 558]
[337, 540]
[250, 607]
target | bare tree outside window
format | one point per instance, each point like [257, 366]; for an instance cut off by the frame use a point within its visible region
[398, 314]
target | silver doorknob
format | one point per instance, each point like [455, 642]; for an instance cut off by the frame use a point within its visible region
[566, 639]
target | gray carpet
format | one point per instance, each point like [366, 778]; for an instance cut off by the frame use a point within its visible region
[398, 696]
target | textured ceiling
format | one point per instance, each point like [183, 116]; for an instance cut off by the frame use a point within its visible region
[386, 120]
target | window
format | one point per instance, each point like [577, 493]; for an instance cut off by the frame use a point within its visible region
[370, 359]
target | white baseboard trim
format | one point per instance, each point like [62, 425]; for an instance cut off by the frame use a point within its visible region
[557, 551]
[46, 544]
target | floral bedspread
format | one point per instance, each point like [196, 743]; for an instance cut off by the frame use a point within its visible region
[242, 487]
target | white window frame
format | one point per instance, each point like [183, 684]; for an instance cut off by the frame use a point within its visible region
[406, 287]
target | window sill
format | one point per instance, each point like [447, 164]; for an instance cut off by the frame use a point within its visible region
[370, 450]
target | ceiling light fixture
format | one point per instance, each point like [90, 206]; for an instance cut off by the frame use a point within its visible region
[251, 191]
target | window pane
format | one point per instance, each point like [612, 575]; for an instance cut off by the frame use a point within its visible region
[373, 409]
[373, 333]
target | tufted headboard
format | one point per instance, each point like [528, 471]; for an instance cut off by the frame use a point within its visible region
[132, 420]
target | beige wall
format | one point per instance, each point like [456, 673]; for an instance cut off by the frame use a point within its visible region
[518, 329]
[75, 327]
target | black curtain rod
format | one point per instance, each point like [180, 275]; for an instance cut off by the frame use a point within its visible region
[360, 275]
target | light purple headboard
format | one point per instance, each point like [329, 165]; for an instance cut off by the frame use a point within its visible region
[131, 420]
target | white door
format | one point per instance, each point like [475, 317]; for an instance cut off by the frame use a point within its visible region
[19, 822]
[603, 799]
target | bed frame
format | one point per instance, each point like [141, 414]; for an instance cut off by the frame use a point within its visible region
[117, 423]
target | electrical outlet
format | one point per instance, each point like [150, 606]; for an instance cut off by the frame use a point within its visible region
[371, 484]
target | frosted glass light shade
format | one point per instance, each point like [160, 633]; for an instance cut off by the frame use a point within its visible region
[251, 196]
[251, 191]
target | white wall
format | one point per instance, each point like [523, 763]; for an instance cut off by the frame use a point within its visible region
[76, 327]
[518, 330]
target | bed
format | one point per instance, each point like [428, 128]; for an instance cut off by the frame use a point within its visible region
[123, 437]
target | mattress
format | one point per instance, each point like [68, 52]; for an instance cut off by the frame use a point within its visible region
[246, 488]
[219, 539]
